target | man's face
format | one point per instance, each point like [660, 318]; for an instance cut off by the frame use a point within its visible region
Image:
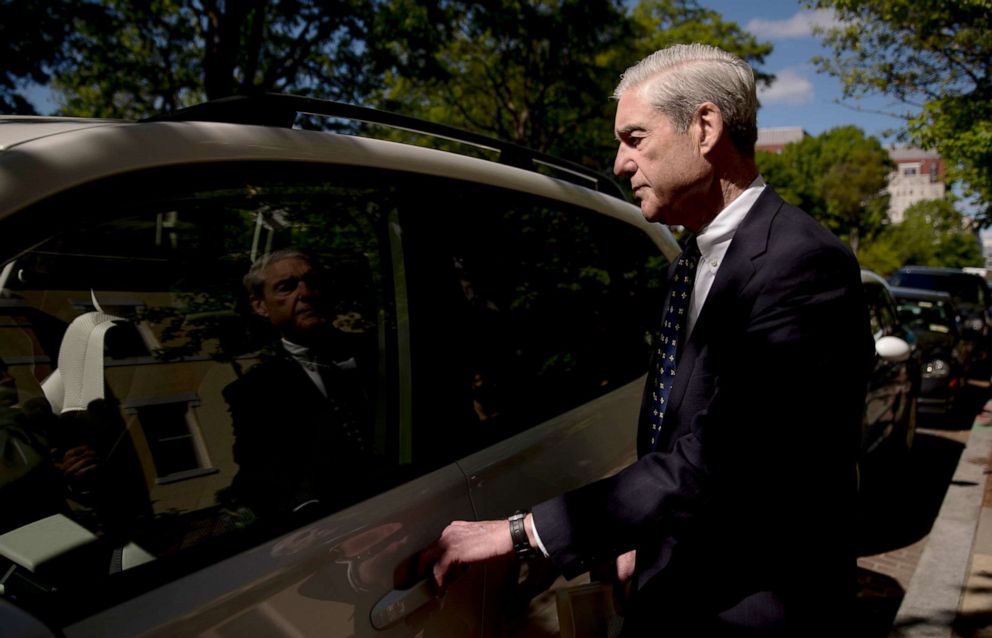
[291, 299]
[666, 169]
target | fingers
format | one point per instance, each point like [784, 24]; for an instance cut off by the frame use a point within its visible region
[464, 543]
[78, 461]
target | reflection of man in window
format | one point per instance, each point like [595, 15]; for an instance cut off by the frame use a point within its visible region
[300, 416]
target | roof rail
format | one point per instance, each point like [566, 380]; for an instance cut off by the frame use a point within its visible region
[278, 109]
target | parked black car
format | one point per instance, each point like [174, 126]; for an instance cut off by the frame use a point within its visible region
[972, 297]
[890, 408]
[945, 353]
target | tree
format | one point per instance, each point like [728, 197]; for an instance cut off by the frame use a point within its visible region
[933, 233]
[535, 72]
[539, 72]
[32, 35]
[133, 58]
[838, 177]
[933, 57]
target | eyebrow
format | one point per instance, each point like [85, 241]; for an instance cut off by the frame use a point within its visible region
[627, 130]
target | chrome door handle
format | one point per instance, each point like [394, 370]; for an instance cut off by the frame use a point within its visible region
[399, 603]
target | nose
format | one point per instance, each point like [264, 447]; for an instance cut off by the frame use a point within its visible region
[623, 166]
[306, 290]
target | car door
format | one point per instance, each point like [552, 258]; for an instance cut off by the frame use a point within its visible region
[890, 399]
[127, 329]
[530, 325]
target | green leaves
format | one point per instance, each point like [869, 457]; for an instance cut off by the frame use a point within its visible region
[932, 233]
[934, 58]
[838, 177]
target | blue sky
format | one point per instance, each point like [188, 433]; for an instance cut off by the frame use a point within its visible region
[801, 96]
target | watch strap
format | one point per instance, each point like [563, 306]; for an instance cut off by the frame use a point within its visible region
[521, 544]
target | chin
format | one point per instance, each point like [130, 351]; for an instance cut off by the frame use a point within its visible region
[652, 214]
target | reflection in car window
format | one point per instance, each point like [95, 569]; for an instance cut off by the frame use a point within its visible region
[522, 309]
[148, 408]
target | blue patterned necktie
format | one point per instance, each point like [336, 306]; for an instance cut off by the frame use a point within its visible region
[672, 331]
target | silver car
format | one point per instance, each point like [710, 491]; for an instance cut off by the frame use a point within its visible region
[492, 316]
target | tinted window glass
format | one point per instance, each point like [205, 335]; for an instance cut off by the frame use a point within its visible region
[153, 402]
[521, 310]
[923, 314]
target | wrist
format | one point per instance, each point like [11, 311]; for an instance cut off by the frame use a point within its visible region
[522, 535]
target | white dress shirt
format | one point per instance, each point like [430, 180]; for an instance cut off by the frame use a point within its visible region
[303, 356]
[713, 241]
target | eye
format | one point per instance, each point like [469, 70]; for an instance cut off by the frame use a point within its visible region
[286, 285]
[631, 140]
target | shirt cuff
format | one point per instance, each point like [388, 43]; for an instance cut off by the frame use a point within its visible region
[537, 537]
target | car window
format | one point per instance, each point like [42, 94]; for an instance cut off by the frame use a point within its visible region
[151, 413]
[521, 309]
[927, 315]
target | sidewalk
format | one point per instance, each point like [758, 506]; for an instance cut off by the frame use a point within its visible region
[950, 592]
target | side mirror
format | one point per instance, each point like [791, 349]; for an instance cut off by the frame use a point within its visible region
[892, 349]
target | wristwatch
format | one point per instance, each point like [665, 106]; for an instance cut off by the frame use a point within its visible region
[521, 544]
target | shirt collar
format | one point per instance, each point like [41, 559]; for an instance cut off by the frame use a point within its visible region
[295, 350]
[721, 230]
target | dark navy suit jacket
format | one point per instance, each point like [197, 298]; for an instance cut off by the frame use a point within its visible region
[746, 511]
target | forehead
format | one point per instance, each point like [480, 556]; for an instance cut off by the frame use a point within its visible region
[635, 113]
[285, 268]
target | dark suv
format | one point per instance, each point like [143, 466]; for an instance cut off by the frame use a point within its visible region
[972, 298]
[494, 319]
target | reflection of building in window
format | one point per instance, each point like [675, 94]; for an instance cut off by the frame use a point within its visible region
[173, 436]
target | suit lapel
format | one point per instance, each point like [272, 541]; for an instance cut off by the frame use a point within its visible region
[749, 243]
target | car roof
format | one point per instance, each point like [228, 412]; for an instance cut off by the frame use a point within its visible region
[62, 153]
[936, 270]
[16, 129]
[919, 293]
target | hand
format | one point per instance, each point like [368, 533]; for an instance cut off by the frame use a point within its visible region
[77, 462]
[625, 566]
[463, 543]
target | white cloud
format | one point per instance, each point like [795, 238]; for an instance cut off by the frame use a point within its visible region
[790, 87]
[798, 26]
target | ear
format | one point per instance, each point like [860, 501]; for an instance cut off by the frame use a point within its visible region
[707, 126]
[258, 305]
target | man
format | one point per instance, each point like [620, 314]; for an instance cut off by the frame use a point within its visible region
[737, 518]
[301, 418]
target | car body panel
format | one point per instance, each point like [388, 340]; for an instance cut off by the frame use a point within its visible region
[293, 585]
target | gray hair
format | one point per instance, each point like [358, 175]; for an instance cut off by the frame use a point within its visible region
[693, 74]
[254, 279]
